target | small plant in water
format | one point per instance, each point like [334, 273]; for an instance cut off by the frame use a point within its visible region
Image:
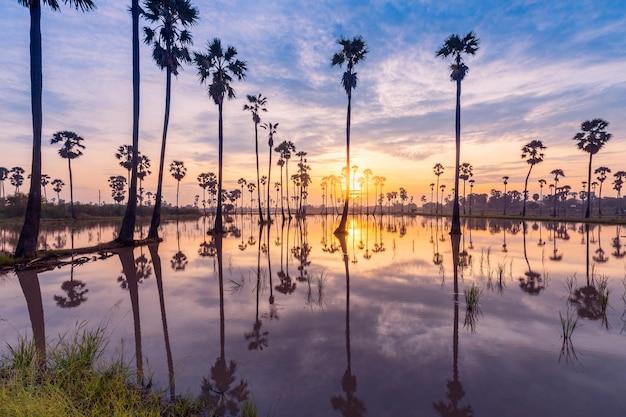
[602, 286]
[569, 322]
[472, 297]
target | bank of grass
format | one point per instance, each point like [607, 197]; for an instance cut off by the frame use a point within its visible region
[73, 379]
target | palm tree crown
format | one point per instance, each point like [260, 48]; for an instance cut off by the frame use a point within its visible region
[455, 46]
[352, 52]
[219, 66]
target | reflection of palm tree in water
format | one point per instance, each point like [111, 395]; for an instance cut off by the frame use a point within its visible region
[617, 244]
[455, 389]
[257, 339]
[29, 281]
[156, 262]
[207, 248]
[303, 250]
[286, 285]
[367, 254]
[437, 256]
[587, 298]
[179, 260]
[131, 283]
[350, 405]
[556, 256]
[75, 289]
[533, 284]
[219, 387]
[600, 256]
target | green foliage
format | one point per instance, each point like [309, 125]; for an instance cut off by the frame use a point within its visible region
[74, 380]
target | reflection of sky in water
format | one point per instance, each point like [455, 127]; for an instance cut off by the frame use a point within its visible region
[401, 315]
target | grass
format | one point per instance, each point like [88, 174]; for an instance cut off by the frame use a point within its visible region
[472, 297]
[72, 379]
[569, 323]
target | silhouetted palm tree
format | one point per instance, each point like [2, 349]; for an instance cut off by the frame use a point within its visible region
[27, 243]
[143, 170]
[505, 181]
[285, 149]
[472, 181]
[178, 171]
[455, 46]
[57, 186]
[352, 52]
[533, 155]
[70, 149]
[602, 171]
[17, 178]
[125, 155]
[127, 228]
[617, 186]
[591, 139]
[256, 104]
[219, 67]
[438, 170]
[465, 174]
[45, 180]
[271, 131]
[557, 173]
[542, 182]
[170, 40]
[4, 174]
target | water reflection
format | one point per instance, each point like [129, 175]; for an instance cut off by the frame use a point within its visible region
[385, 348]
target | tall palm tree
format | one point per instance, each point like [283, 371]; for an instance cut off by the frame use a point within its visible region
[143, 170]
[45, 180]
[219, 66]
[617, 186]
[127, 227]
[27, 243]
[256, 104]
[438, 170]
[70, 149]
[557, 173]
[472, 181]
[455, 46]
[591, 139]
[465, 174]
[285, 149]
[125, 155]
[533, 155]
[170, 40]
[505, 180]
[271, 131]
[602, 171]
[352, 52]
[178, 171]
[367, 172]
[242, 183]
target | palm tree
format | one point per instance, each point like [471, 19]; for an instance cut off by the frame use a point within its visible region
[178, 171]
[125, 155]
[242, 182]
[454, 46]
[203, 181]
[557, 173]
[281, 164]
[542, 182]
[602, 171]
[533, 155]
[438, 170]
[352, 52]
[143, 170]
[70, 149]
[285, 149]
[465, 174]
[127, 227]
[17, 178]
[472, 181]
[27, 243]
[169, 51]
[256, 104]
[591, 139]
[271, 131]
[45, 180]
[505, 180]
[367, 172]
[4, 174]
[617, 186]
[57, 187]
[219, 67]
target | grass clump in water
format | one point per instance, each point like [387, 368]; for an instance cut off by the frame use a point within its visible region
[73, 379]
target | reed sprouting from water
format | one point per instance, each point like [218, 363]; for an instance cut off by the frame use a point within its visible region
[569, 323]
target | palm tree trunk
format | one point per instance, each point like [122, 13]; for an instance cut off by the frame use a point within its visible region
[456, 220]
[27, 243]
[218, 216]
[258, 178]
[526, 191]
[287, 186]
[127, 228]
[177, 189]
[269, 188]
[341, 229]
[282, 208]
[600, 200]
[153, 233]
[69, 165]
[588, 210]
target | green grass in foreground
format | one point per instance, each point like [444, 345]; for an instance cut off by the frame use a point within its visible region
[74, 380]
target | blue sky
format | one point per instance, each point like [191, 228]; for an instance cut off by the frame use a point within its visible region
[542, 69]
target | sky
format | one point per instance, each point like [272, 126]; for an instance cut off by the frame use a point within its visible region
[542, 69]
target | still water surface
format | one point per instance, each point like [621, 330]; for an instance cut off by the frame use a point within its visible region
[301, 329]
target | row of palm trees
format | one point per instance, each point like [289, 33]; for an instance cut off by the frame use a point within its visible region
[591, 139]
